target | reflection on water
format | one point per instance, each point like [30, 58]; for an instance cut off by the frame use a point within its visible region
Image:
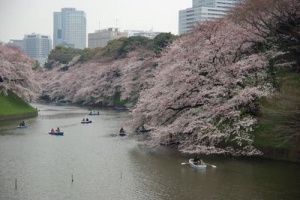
[105, 166]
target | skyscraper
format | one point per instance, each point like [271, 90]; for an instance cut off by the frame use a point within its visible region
[69, 28]
[37, 46]
[203, 10]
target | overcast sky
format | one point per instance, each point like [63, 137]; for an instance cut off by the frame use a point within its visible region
[20, 17]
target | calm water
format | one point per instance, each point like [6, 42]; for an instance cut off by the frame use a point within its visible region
[105, 166]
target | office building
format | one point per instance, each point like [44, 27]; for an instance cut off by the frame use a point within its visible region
[69, 28]
[101, 37]
[148, 34]
[17, 43]
[203, 10]
[37, 46]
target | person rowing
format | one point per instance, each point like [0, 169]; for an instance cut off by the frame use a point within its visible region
[122, 130]
[197, 160]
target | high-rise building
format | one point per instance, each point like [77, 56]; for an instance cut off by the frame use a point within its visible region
[101, 37]
[203, 10]
[69, 28]
[37, 46]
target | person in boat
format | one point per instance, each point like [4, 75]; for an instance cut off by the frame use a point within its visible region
[87, 119]
[22, 123]
[197, 160]
[122, 130]
[57, 130]
[52, 130]
[171, 137]
[201, 162]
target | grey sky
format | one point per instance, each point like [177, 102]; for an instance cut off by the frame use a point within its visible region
[20, 17]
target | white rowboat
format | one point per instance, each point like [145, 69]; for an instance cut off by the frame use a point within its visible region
[201, 166]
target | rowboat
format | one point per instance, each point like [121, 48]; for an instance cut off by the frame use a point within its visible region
[23, 126]
[122, 133]
[56, 133]
[94, 113]
[86, 122]
[201, 166]
[143, 130]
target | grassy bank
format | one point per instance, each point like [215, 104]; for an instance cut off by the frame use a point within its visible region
[278, 134]
[12, 105]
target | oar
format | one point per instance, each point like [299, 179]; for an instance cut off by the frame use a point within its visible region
[184, 163]
[214, 166]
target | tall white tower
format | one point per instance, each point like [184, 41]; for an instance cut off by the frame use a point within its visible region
[69, 28]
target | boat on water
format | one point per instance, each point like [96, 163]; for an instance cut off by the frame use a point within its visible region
[94, 113]
[196, 166]
[122, 133]
[142, 130]
[56, 133]
[120, 108]
[22, 126]
[61, 103]
[86, 122]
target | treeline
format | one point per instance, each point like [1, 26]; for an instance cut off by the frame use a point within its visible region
[115, 49]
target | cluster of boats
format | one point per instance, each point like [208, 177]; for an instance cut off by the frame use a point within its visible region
[195, 163]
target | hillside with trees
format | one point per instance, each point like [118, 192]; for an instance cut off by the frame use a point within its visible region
[230, 87]
[212, 87]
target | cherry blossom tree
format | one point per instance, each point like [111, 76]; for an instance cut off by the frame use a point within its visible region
[98, 82]
[16, 73]
[206, 90]
[277, 21]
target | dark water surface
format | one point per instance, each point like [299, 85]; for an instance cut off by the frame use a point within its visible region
[105, 166]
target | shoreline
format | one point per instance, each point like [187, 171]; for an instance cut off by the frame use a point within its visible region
[18, 116]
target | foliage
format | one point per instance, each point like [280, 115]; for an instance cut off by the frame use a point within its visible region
[113, 47]
[17, 74]
[205, 91]
[88, 54]
[100, 82]
[277, 21]
[36, 65]
[284, 109]
[161, 41]
[63, 54]
[205, 88]
[133, 43]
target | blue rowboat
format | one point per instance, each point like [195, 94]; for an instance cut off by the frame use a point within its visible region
[56, 133]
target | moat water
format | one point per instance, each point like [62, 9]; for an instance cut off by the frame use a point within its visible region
[91, 162]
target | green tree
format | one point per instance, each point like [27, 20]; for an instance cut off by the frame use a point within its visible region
[36, 65]
[161, 41]
[133, 43]
[64, 54]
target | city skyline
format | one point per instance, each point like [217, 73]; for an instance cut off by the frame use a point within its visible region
[18, 17]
